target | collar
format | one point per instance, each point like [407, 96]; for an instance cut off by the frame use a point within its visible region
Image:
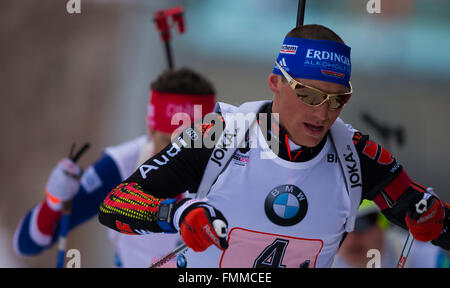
[288, 150]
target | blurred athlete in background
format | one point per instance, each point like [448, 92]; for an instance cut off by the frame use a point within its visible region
[172, 92]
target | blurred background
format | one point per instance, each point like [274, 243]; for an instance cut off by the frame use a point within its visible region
[85, 77]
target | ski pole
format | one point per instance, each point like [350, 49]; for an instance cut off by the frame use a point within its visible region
[301, 12]
[421, 207]
[64, 224]
[161, 19]
[219, 226]
[180, 249]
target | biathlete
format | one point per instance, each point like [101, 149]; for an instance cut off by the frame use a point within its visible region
[290, 200]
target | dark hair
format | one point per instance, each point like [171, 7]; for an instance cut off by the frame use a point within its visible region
[183, 81]
[314, 32]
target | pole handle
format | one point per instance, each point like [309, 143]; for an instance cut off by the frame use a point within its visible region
[161, 18]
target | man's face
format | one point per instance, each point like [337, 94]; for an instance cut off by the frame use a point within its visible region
[305, 125]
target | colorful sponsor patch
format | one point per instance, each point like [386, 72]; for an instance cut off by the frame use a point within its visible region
[333, 73]
[240, 159]
[288, 49]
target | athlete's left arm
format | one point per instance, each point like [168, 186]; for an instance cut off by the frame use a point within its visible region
[387, 184]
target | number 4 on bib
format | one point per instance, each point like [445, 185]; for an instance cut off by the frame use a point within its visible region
[256, 249]
[273, 255]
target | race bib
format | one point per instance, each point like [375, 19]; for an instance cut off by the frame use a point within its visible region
[253, 249]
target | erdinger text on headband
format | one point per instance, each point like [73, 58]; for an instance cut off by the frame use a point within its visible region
[315, 59]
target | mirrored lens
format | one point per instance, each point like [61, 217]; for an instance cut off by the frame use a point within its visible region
[337, 101]
[309, 96]
[315, 98]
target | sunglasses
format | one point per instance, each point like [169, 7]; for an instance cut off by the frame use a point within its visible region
[314, 97]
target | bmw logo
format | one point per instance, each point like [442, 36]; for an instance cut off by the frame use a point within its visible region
[286, 205]
[181, 261]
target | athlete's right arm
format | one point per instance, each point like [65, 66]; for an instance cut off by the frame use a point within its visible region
[38, 229]
[62, 185]
[131, 207]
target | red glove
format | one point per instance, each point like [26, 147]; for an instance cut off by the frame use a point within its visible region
[425, 219]
[201, 226]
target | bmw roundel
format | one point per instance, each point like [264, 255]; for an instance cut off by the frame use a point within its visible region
[181, 261]
[286, 205]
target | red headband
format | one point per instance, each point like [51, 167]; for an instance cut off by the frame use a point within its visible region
[163, 106]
